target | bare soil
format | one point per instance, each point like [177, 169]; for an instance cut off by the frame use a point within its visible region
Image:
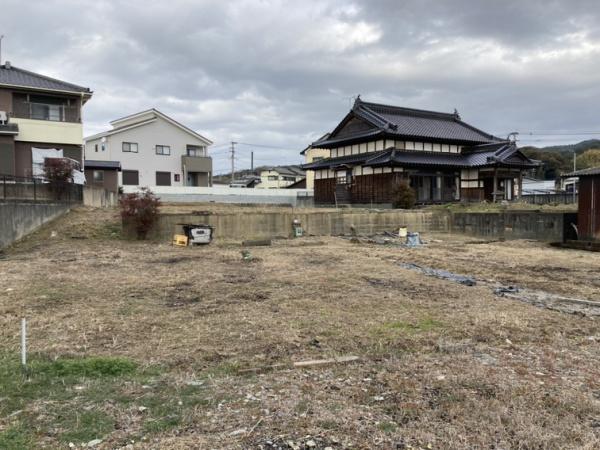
[442, 365]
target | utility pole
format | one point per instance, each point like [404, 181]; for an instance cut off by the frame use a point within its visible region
[252, 161]
[233, 160]
[1, 37]
[574, 169]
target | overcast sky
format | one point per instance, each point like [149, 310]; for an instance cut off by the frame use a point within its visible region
[282, 73]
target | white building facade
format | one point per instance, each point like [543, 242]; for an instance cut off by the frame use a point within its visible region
[153, 150]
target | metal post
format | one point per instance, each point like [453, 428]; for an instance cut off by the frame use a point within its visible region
[4, 186]
[34, 191]
[23, 342]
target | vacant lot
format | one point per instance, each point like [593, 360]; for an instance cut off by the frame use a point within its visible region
[147, 345]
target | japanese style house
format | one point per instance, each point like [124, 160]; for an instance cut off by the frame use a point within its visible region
[444, 159]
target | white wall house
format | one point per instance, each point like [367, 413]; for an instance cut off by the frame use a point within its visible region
[153, 150]
[279, 177]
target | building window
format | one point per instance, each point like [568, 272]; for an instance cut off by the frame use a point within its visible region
[317, 158]
[131, 178]
[96, 148]
[176, 178]
[163, 150]
[196, 150]
[103, 146]
[272, 178]
[98, 176]
[131, 147]
[163, 178]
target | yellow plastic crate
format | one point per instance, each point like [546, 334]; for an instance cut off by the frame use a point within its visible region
[181, 240]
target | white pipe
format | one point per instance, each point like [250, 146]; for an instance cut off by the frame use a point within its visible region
[23, 341]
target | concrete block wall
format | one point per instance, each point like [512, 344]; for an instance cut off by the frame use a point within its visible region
[265, 225]
[17, 219]
[538, 225]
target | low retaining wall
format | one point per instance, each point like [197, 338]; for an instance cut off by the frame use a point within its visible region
[542, 226]
[19, 219]
[99, 198]
[266, 225]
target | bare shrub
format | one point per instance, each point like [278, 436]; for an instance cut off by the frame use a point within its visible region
[141, 210]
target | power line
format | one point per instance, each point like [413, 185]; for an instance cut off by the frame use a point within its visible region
[269, 146]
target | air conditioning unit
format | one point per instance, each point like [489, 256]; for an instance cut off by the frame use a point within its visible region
[3, 117]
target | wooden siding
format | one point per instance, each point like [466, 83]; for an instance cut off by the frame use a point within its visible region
[324, 190]
[472, 194]
[376, 188]
[589, 208]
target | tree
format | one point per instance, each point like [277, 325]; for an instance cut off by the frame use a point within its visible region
[141, 210]
[590, 158]
[404, 196]
[59, 170]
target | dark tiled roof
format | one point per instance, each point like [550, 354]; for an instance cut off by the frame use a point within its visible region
[287, 170]
[94, 164]
[501, 154]
[325, 136]
[356, 159]
[13, 76]
[584, 172]
[410, 123]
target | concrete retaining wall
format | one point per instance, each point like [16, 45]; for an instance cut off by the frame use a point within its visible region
[265, 225]
[542, 226]
[99, 197]
[19, 219]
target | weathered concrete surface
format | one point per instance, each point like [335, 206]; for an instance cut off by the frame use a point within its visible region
[267, 225]
[542, 226]
[19, 219]
[99, 197]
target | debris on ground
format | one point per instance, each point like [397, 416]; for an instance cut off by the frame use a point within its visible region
[257, 243]
[440, 273]
[303, 364]
[308, 442]
[537, 298]
[550, 301]
[411, 240]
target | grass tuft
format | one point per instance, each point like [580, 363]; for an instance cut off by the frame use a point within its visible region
[92, 367]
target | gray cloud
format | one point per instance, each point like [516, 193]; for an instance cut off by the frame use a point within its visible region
[282, 73]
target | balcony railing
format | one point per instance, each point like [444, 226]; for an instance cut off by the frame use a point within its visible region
[46, 111]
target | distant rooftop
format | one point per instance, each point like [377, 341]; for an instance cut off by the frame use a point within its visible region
[592, 171]
[12, 76]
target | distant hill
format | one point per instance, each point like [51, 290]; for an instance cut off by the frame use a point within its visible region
[558, 159]
[579, 147]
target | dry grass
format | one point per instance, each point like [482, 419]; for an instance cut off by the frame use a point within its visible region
[441, 364]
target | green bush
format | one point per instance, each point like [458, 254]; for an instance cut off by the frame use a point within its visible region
[404, 196]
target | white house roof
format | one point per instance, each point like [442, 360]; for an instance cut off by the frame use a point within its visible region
[144, 118]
